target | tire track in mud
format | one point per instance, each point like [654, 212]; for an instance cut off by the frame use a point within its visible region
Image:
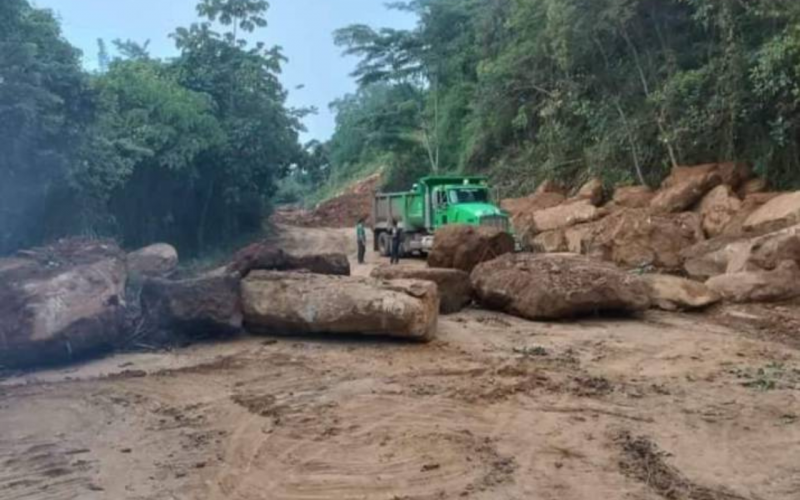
[369, 446]
[305, 433]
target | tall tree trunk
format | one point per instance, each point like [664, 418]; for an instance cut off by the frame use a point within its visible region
[646, 88]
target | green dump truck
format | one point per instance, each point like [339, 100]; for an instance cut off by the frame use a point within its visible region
[432, 203]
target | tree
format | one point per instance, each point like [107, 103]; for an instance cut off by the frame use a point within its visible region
[45, 106]
[378, 125]
[260, 133]
[624, 89]
[142, 161]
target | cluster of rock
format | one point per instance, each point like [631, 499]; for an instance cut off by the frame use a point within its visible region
[710, 233]
[71, 300]
[715, 224]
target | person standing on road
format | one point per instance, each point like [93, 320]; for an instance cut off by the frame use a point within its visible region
[361, 239]
[397, 240]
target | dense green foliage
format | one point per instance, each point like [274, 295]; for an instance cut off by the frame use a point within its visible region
[624, 89]
[186, 151]
[45, 107]
[193, 150]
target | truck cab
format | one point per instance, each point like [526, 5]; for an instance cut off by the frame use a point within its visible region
[432, 203]
[468, 203]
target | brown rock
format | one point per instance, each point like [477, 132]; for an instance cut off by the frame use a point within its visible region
[731, 174]
[750, 204]
[265, 257]
[202, 306]
[297, 303]
[767, 252]
[634, 238]
[61, 302]
[464, 247]
[780, 212]
[522, 209]
[727, 255]
[718, 209]
[683, 191]
[592, 191]
[564, 216]
[517, 206]
[455, 288]
[557, 286]
[550, 242]
[730, 254]
[550, 186]
[710, 258]
[154, 261]
[672, 293]
[753, 186]
[633, 197]
[780, 284]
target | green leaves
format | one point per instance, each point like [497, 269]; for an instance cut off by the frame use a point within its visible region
[243, 14]
[619, 88]
[185, 151]
[45, 105]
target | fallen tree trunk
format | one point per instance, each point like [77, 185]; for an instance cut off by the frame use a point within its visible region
[302, 303]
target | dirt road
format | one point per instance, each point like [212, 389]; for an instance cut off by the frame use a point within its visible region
[667, 406]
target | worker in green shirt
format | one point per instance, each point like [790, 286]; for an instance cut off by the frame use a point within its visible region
[361, 239]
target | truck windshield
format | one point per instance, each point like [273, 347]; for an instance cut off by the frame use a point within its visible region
[469, 196]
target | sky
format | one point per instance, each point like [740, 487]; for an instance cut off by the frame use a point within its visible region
[304, 28]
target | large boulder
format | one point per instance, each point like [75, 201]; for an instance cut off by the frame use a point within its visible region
[529, 204]
[303, 303]
[711, 257]
[673, 293]
[265, 257]
[154, 261]
[730, 173]
[199, 307]
[782, 283]
[766, 252]
[753, 186]
[779, 212]
[732, 254]
[592, 192]
[455, 288]
[550, 186]
[633, 197]
[683, 189]
[61, 302]
[522, 209]
[550, 242]
[564, 216]
[464, 247]
[718, 209]
[750, 204]
[634, 238]
[557, 286]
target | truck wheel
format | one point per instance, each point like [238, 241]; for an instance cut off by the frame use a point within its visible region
[384, 245]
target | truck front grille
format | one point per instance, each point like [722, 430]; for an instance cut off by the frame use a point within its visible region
[497, 221]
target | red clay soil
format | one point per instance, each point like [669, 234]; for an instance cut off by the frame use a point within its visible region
[344, 210]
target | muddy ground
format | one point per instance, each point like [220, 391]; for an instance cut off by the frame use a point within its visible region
[666, 406]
